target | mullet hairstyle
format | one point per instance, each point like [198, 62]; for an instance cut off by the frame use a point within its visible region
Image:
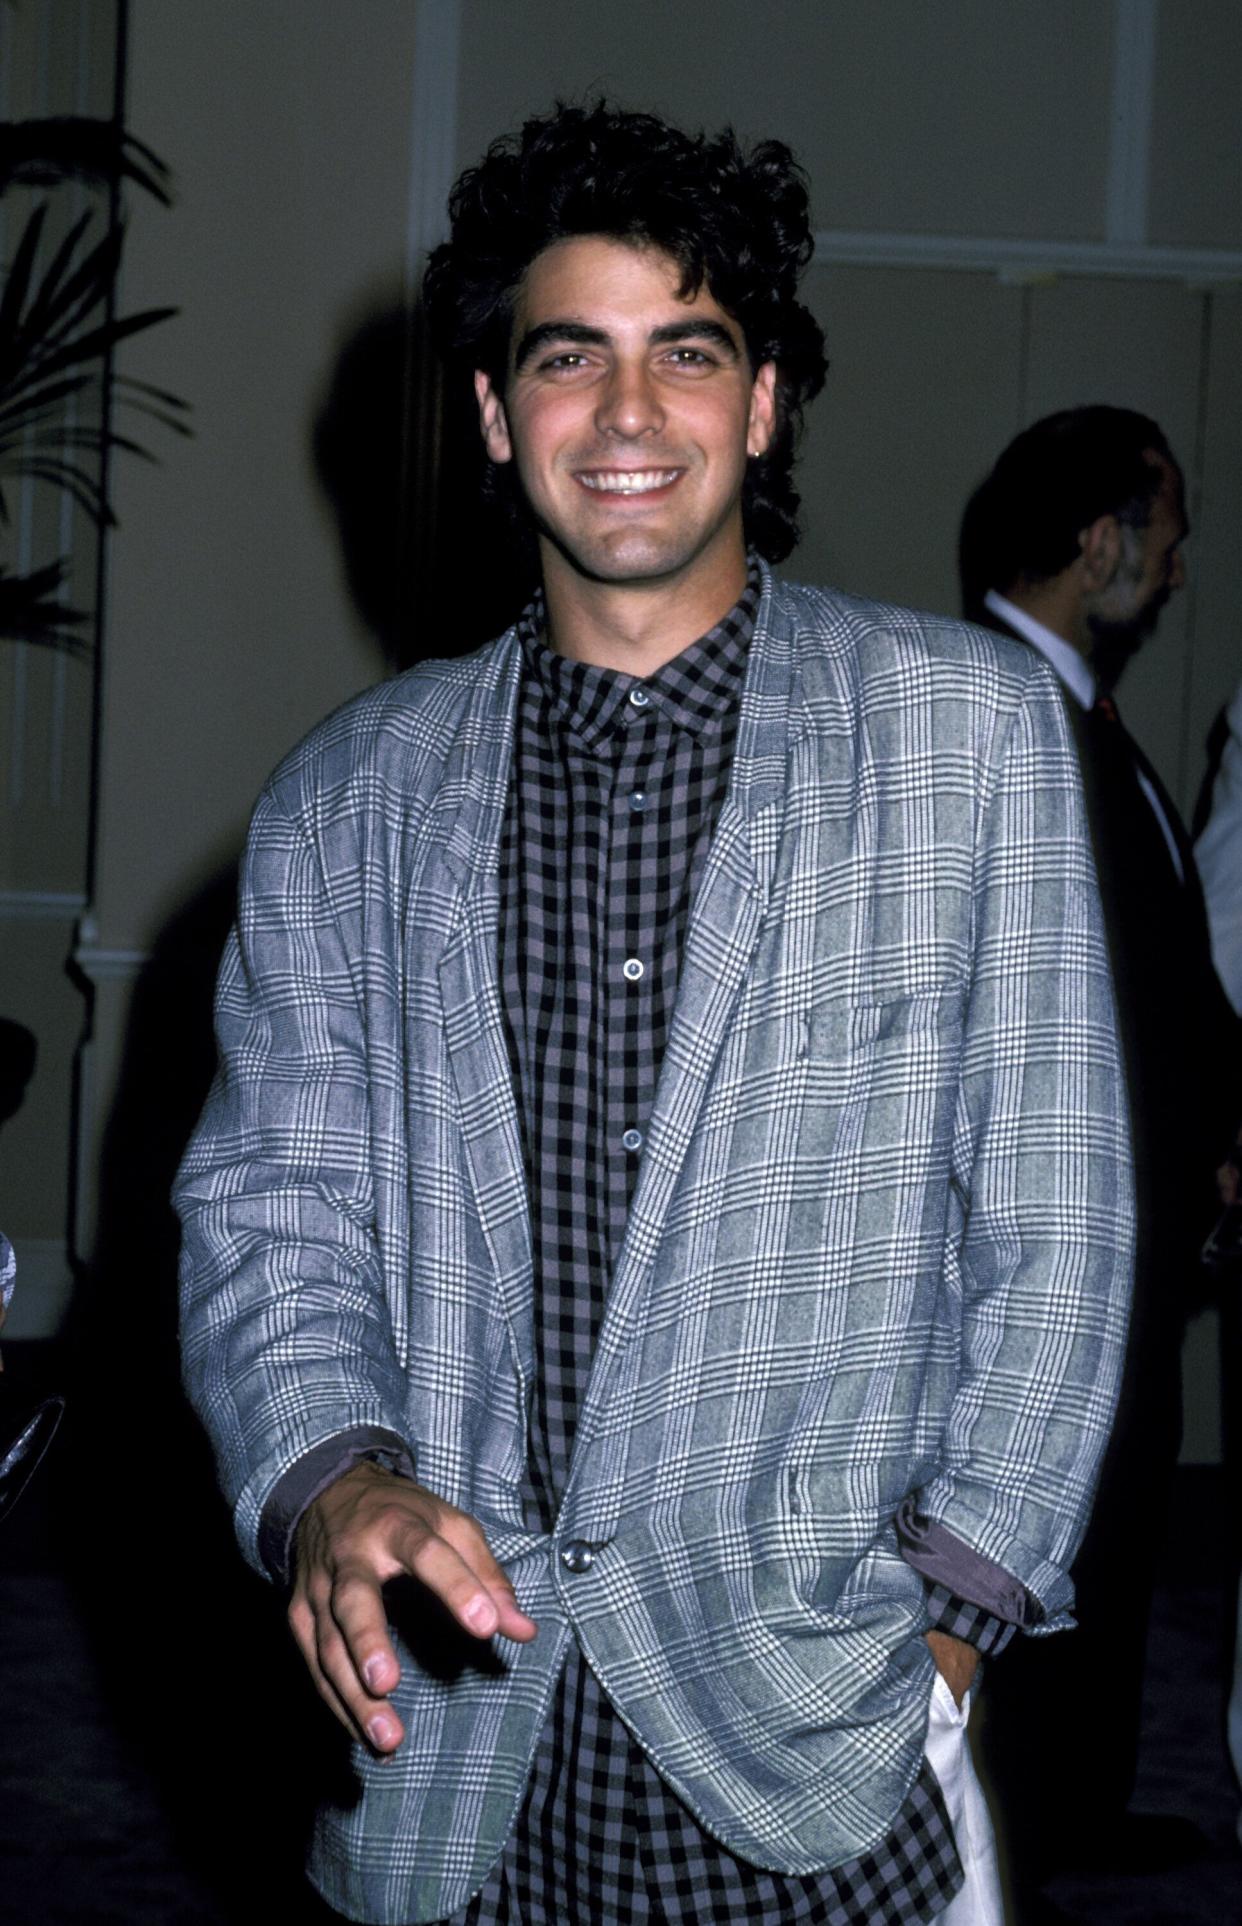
[738, 221]
[1023, 522]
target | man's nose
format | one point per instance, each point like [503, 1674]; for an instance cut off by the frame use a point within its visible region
[1177, 569]
[629, 403]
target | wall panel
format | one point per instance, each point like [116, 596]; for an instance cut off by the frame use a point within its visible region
[922, 390]
[1196, 176]
[906, 116]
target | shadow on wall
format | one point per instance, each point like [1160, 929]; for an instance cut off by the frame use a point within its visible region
[193, 1659]
[432, 568]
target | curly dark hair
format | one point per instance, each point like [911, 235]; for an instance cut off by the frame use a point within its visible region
[737, 220]
[1024, 520]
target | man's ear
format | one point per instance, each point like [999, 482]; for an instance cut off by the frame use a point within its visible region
[1101, 548]
[492, 421]
[761, 423]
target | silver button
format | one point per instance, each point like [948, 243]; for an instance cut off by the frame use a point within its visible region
[632, 1140]
[632, 969]
[577, 1556]
[639, 697]
[638, 799]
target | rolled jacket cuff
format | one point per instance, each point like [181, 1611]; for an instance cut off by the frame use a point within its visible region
[313, 1473]
[946, 1561]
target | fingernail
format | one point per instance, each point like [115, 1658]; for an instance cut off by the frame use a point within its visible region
[381, 1731]
[480, 1615]
[373, 1670]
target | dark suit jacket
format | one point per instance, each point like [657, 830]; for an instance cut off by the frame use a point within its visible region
[1180, 1041]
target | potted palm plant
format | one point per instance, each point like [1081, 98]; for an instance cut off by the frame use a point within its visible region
[59, 328]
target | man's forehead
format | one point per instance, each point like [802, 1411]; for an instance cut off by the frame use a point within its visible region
[587, 274]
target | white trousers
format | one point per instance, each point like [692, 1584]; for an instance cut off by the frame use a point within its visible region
[979, 1902]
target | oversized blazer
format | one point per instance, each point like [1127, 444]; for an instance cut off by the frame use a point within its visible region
[879, 1248]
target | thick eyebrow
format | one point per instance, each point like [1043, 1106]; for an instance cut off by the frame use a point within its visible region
[670, 332]
[548, 331]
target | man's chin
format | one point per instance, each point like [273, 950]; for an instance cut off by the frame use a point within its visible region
[632, 559]
[1115, 644]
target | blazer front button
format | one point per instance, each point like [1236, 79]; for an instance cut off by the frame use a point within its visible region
[577, 1556]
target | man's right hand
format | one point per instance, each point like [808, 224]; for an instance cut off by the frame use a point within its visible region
[367, 1527]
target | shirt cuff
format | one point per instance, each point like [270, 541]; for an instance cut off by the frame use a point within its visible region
[313, 1473]
[971, 1623]
[960, 1580]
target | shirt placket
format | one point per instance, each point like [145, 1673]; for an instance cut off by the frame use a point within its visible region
[629, 973]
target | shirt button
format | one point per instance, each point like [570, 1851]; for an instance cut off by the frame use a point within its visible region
[638, 800]
[632, 1140]
[639, 697]
[577, 1556]
[632, 969]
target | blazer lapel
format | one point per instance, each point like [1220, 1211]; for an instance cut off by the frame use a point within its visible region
[475, 781]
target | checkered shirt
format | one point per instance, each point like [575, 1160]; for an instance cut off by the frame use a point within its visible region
[616, 788]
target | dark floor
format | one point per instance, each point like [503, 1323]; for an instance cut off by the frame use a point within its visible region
[158, 1749]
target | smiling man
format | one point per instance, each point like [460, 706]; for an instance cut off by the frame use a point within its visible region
[656, 1253]
[631, 409]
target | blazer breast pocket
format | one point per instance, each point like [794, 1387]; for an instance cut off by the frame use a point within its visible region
[879, 1093]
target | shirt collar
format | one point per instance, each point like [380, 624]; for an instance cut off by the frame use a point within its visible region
[1073, 669]
[696, 689]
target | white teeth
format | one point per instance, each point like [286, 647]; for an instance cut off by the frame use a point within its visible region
[628, 481]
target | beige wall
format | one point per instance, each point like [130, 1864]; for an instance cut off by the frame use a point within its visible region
[230, 630]
[303, 169]
[906, 116]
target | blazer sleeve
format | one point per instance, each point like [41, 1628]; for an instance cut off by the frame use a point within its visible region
[1041, 1185]
[286, 1337]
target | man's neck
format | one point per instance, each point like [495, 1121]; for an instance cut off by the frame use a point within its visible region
[1057, 605]
[635, 626]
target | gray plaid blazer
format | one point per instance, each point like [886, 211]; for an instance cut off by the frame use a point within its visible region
[880, 1243]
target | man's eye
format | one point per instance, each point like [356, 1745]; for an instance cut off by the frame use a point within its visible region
[568, 358]
[690, 358]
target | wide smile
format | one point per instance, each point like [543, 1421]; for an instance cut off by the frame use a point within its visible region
[627, 482]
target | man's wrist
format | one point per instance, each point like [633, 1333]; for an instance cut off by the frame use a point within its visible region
[956, 1661]
[311, 1475]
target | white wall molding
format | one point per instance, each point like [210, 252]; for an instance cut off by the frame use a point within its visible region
[1124, 251]
[1129, 142]
[44, 1289]
[41, 905]
[1028, 260]
[433, 130]
[110, 966]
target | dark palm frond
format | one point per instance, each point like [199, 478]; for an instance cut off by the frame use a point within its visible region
[55, 335]
[43, 311]
[37, 404]
[53, 302]
[57, 466]
[41, 153]
[153, 400]
[31, 610]
[76, 481]
[14, 295]
[99, 340]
